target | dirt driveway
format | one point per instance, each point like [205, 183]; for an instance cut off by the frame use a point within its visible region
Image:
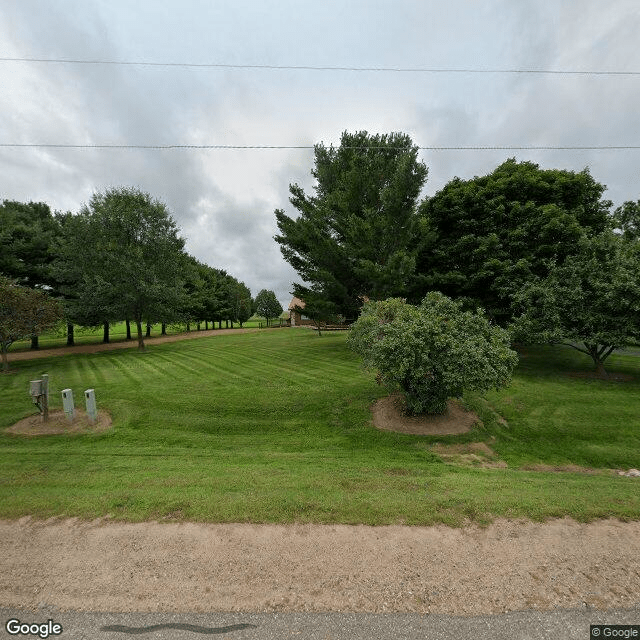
[128, 344]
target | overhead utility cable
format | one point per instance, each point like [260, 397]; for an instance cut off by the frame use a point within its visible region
[147, 63]
[266, 146]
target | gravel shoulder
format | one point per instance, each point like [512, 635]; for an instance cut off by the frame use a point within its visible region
[189, 567]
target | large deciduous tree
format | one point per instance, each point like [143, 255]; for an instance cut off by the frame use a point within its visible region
[267, 305]
[354, 237]
[590, 302]
[126, 258]
[433, 351]
[24, 312]
[485, 238]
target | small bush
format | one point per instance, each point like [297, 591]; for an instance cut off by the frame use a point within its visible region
[433, 351]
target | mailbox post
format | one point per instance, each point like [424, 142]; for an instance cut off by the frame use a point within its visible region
[45, 396]
[37, 391]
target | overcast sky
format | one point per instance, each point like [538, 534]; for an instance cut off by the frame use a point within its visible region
[224, 200]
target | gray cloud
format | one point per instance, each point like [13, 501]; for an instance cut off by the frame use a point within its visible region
[224, 200]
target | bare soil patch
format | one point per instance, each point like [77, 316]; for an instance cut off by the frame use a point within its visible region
[388, 415]
[477, 454]
[59, 424]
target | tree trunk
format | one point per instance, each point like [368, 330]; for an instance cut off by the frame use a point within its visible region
[226, 324]
[219, 324]
[600, 370]
[70, 336]
[34, 342]
[140, 337]
[599, 354]
[128, 329]
[5, 360]
[163, 332]
[148, 330]
[206, 325]
[198, 326]
[105, 332]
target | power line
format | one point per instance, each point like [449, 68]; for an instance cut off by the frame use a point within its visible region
[266, 147]
[273, 67]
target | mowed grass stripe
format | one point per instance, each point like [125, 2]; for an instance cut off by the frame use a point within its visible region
[206, 359]
[316, 354]
[92, 371]
[168, 360]
[125, 371]
[275, 427]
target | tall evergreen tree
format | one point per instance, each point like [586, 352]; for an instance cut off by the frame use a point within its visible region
[28, 235]
[27, 241]
[353, 238]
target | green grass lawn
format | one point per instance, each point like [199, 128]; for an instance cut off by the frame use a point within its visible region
[276, 427]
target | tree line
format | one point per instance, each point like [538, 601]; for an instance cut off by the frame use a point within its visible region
[541, 251]
[119, 258]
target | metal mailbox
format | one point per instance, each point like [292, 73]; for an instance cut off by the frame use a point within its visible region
[35, 390]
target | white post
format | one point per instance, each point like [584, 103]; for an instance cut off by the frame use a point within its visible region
[90, 401]
[67, 404]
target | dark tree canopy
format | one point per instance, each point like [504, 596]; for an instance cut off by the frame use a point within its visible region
[353, 237]
[486, 237]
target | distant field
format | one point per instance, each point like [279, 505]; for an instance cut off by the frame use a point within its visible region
[275, 427]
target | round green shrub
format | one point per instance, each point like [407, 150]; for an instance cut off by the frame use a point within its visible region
[433, 351]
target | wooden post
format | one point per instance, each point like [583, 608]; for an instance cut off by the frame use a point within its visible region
[45, 397]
